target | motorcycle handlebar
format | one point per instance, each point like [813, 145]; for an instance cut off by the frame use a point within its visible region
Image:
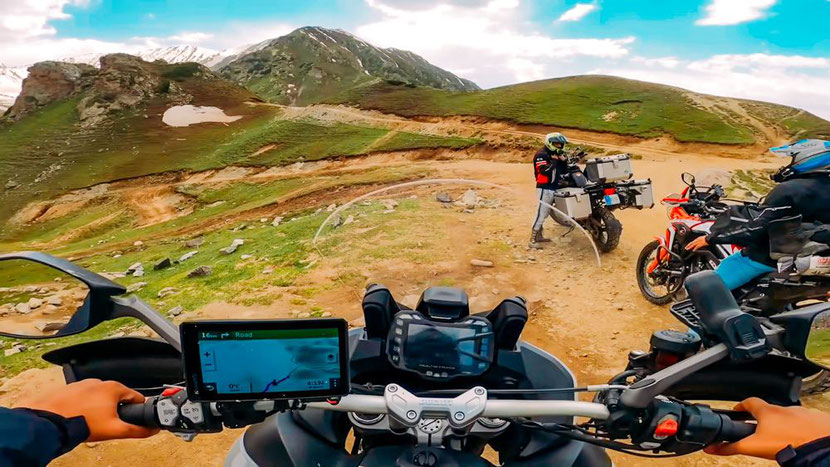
[498, 408]
[139, 414]
[732, 430]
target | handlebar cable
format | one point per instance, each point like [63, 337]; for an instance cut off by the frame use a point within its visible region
[579, 434]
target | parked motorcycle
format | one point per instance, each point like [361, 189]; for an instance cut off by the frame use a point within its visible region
[664, 264]
[591, 195]
[432, 385]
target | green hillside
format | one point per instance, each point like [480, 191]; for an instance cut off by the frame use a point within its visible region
[597, 103]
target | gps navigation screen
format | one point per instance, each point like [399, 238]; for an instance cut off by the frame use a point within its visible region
[268, 363]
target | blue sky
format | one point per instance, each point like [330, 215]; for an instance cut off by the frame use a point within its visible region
[776, 50]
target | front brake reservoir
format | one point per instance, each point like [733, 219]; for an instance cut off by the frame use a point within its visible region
[669, 347]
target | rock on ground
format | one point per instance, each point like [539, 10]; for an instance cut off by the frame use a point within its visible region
[233, 247]
[135, 287]
[276, 221]
[176, 311]
[195, 242]
[165, 263]
[201, 271]
[481, 263]
[469, 199]
[167, 291]
[22, 308]
[34, 303]
[187, 256]
[443, 197]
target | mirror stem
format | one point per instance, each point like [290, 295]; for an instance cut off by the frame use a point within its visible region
[134, 307]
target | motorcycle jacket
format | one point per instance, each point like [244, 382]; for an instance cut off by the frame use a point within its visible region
[36, 437]
[548, 168]
[748, 226]
[813, 454]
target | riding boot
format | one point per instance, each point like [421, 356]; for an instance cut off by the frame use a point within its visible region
[534, 243]
[539, 238]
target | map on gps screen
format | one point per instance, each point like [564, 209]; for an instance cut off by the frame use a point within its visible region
[260, 362]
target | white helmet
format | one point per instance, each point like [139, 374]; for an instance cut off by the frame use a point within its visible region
[808, 156]
[554, 141]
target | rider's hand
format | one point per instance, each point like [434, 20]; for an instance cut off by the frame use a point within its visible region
[697, 244]
[97, 401]
[778, 427]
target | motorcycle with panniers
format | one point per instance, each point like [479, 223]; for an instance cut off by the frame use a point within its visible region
[430, 385]
[590, 195]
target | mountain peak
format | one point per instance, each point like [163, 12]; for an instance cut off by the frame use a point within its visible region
[312, 64]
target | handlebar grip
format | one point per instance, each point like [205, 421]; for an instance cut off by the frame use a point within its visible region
[732, 430]
[139, 414]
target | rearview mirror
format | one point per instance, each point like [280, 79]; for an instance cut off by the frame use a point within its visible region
[688, 179]
[42, 296]
[817, 350]
[37, 301]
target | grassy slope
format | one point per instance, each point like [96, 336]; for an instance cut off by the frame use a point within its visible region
[598, 103]
[132, 145]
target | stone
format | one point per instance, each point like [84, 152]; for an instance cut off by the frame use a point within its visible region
[481, 263]
[469, 199]
[54, 300]
[195, 242]
[163, 264]
[325, 314]
[244, 257]
[389, 204]
[135, 287]
[134, 267]
[30, 289]
[268, 270]
[34, 303]
[187, 256]
[276, 221]
[11, 351]
[348, 220]
[91, 445]
[176, 311]
[201, 271]
[331, 208]
[337, 221]
[443, 197]
[167, 291]
[46, 326]
[138, 272]
[12, 184]
[304, 315]
[138, 243]
[263, 219]
[235, 244]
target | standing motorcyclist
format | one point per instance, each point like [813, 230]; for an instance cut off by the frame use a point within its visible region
[803, 190]
[549, 164]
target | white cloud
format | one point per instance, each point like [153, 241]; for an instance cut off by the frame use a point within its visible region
[191, 37]
[727, 12]
[793, 80]
[493, 40]
[664, 62]
[579, 11]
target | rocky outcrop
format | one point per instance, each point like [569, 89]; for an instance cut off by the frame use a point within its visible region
[50, 82]
[122, 82]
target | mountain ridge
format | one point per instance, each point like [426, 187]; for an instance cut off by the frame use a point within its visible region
[313, 63]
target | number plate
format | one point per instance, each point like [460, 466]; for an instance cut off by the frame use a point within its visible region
[611, 200]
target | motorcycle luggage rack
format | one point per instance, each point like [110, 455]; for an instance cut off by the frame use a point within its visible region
[685, 311]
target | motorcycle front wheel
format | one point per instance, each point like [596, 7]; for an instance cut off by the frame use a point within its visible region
[659, 291]
[606, 229]
[817, 384]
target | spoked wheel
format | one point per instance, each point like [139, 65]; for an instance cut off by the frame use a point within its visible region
[659, 287]
[816, 384]
[606, 229]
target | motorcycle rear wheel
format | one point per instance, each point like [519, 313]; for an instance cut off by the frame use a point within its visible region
[647, 284]
[606, 229]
